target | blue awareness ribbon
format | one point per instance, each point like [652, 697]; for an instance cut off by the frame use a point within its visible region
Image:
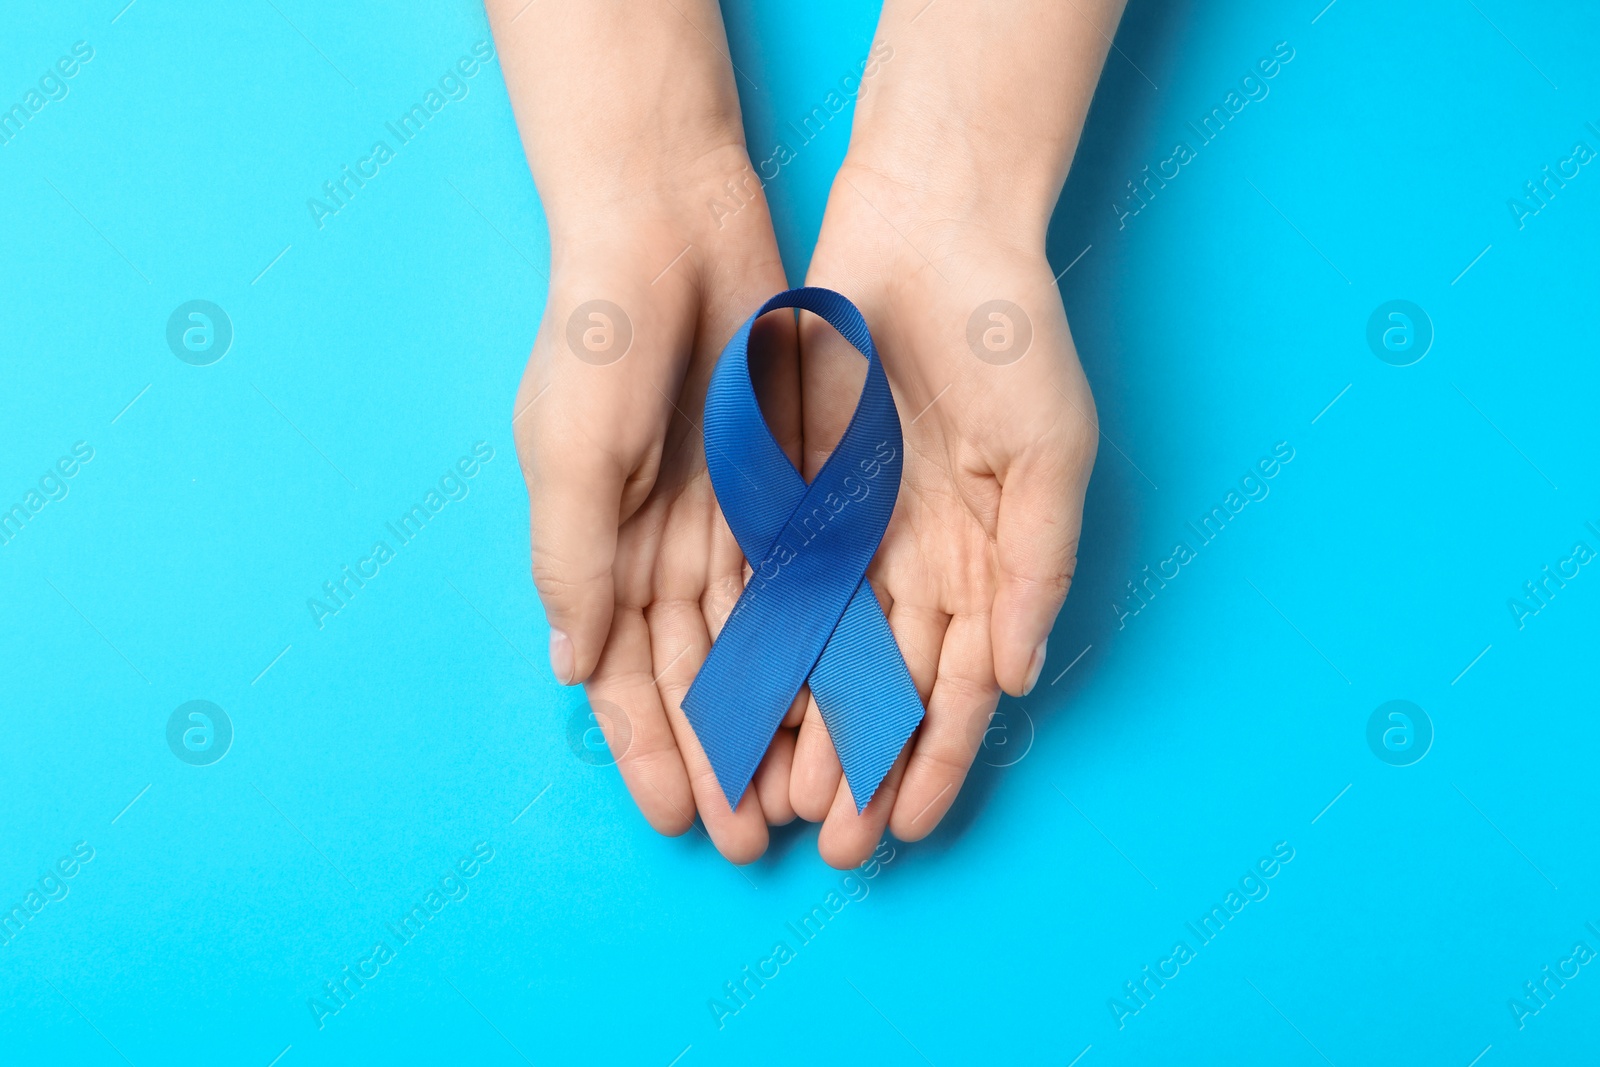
[807, 613]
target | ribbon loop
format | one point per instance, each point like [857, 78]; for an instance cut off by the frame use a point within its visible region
[807, 613]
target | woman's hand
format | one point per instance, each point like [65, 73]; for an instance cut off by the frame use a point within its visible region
[631, 144]
[935, 227]
[1000, 438]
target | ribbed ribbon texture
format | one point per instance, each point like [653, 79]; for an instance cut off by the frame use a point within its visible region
[807, 613]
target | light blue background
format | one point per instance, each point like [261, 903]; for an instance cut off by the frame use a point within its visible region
[1224, 718]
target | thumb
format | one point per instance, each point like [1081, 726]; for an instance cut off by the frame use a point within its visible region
[574, 504]
[575, 488]
[1041, 514]
[588, 427]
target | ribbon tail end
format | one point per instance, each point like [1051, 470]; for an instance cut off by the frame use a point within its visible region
[861, 805]
[734, 797]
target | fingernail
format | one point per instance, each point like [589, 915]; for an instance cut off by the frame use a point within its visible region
[561, 656]
[1035, 665]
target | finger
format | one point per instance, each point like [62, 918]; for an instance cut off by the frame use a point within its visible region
[680, 642]
[846, 838]
[725, 578]
[815, 774]
[964, 696]
[723, 586]
[641, 739]
[724, 574]
[590, 425]
[772, 780]
[919, 631]
[1036, 535]
[797, 711]
[575, 495]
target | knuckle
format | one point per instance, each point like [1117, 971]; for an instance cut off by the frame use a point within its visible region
[557, 582]
[1052, 584]
[648, 756]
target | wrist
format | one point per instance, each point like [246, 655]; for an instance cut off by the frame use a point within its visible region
[974, 166]
[617, 104]
[937, 212]
[956, 179]
[704, 196]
